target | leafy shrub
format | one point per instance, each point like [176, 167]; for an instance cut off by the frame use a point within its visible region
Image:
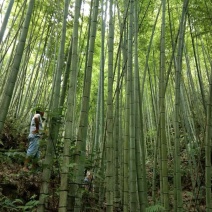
[17, 205]
[16, 156]
[155, 208]
[9, 205]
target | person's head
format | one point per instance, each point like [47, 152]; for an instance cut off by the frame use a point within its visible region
[40, 111]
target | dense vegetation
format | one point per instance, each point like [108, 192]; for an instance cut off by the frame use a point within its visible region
[127, 92]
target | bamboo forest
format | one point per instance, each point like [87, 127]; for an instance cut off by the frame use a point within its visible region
[115, 99]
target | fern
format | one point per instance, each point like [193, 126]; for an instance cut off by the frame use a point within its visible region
[8, 205]
[155, 208]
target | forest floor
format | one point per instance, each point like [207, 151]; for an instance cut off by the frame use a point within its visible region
[19, 190]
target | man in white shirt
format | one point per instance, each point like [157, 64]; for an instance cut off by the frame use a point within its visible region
[33, 153]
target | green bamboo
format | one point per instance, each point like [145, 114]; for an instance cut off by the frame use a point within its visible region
[69, 136]
[5, 21]
[83, 123]
[178, 189]
[163, 141]
[10, 84]
[208, 151]
[109, 177]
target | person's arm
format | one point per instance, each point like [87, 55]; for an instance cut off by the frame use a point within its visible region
[37, 121]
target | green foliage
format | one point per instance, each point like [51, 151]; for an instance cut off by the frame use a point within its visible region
[155, 208]
[4, 158]
[193, 149]
[17, 205]
[29, 205]
[89, 201]
[1, 143]
[98, 176]
[39, 107]
[72, 165]
[9, 205]
[16, 156]
[13, 134]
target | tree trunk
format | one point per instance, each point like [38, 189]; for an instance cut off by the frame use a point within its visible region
[10, 83]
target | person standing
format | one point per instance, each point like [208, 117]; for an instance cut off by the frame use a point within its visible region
[36, 127]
